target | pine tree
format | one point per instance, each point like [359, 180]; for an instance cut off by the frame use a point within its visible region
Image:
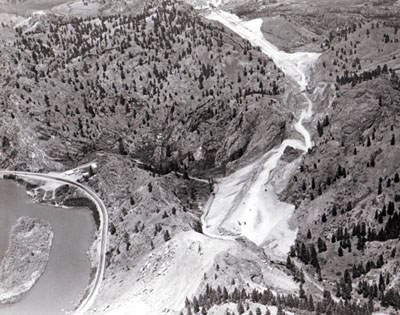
[371, 304]
[311, 306]
[381, 284]
[225, 294]
[338, 290]
[347, 278]
[334, 211]
[368, 142]
[326, 121]
[167, 237]
[240, 308]
[383, 211]
[380, 262]
[196, 307]
[379, 188]
[304, 255]
[289, 264]
[321, 245]
[346, 285]
[302, 293]
[314, 257]
[320, 129]
[302, 279]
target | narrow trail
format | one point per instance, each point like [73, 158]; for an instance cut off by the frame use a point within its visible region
[245, 203]
[87, 302]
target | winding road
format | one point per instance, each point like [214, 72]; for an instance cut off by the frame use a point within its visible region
[102, 236]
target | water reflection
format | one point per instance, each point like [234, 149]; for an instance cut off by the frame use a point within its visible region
[67, 274]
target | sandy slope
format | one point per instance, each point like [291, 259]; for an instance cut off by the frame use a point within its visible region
[162, 281]
[295, 65]
[246, 203]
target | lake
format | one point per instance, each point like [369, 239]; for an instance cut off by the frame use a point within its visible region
[67, 274]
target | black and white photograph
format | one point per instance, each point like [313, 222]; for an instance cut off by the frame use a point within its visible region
[199, 157]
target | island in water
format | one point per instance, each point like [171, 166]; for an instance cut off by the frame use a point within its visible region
[25, 259]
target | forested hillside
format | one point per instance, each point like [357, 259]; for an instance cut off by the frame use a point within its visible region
[347, 188]
[165, 103]
[165, 86]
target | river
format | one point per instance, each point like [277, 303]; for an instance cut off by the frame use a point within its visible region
[67, 274]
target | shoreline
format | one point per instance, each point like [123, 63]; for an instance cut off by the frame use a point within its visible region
[38, 194]
[96, 251]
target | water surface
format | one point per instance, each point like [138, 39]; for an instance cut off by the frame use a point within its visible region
[67, 274]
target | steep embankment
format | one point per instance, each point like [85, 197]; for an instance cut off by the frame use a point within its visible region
[181, 94]
[168, 88]
[345, 190]
[246, 202]
[161, 278]
[295, 65]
